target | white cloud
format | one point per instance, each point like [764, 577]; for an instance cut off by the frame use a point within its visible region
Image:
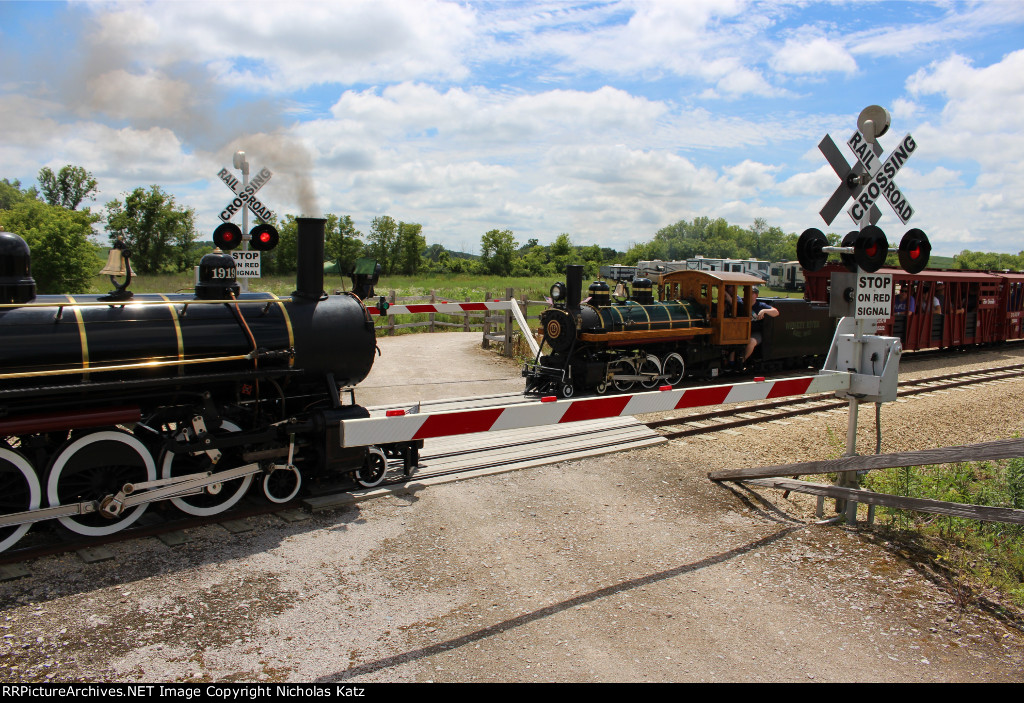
[280, 46]
[805, 54]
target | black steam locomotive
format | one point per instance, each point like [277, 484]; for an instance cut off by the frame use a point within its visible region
[109, 403]
[699, 325]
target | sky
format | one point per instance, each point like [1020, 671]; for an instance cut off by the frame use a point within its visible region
[604, 120]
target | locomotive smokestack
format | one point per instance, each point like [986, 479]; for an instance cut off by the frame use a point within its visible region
[309, 284]
[574, 282]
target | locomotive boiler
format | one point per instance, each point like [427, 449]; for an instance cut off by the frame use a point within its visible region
[110, 403]
[699, 325]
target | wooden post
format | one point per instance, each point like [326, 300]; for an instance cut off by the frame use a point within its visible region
[487, 323]
[433, 299]
[391, 318]
[465, 321]
[510, 297]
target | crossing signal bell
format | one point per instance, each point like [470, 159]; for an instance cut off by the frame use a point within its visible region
[865, 249]
[228, 236]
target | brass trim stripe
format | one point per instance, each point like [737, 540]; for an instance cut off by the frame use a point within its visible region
[130, 303]
[82, 337]
[647, 315]
[288, 324]
[618, 314]
[177, 331]
[124, 367]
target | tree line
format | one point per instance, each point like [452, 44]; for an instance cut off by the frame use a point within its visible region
[162, 237]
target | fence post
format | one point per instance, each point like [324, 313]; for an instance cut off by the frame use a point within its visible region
[433, 299]
[465, 323]
[487, 323]
[510, 297]
[391, 318]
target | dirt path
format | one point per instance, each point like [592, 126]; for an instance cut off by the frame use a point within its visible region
[628, 567]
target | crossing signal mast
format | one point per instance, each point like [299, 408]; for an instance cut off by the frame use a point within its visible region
[863, 296]
[228, 236]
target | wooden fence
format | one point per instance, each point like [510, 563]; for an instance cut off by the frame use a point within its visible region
[496, 327]
[770, 477]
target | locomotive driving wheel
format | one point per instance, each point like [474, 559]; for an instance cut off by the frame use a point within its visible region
[674, 369]
[623, 367]
[19, 491]
[215, 498]
[650, 368]
[92, 467]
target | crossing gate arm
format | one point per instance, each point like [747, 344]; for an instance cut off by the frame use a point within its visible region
[459, 308]
[363, 432]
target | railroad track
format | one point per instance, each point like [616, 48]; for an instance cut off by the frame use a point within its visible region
[458, 458]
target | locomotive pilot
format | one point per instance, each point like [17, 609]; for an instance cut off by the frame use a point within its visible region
[758, 311]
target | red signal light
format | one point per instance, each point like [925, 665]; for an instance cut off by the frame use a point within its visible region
[263, 237]
[914, 251]
[227, 236]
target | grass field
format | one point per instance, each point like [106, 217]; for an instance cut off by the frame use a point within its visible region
[455, 287]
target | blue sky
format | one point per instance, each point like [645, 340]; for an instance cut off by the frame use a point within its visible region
[606, 120]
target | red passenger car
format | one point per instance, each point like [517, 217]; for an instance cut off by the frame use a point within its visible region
[943, 308]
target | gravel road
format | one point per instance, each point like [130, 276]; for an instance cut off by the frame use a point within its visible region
[628, 567]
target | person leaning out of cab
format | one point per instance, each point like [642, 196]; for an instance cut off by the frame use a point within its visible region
[758, 311]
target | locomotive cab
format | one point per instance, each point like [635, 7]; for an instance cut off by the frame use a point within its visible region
[728, 314]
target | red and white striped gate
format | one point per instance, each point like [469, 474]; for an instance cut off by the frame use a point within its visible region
[400, 427]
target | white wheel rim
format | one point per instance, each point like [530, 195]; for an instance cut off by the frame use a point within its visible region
[62, 459]
[34, 492]
[651, 359]
[627, 368]
[682, 365]
[184, 506]
[380, 479]
[282, 499]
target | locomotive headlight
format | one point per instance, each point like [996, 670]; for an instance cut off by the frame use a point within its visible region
[558, 292]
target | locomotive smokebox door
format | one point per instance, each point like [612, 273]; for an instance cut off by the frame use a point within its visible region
[559, 329]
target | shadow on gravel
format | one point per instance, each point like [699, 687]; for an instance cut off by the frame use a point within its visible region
[556, 608]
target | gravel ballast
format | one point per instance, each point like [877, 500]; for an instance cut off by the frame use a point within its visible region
[626, 567]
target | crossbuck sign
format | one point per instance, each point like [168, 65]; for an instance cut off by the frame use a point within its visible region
[246, 197]
[868, 180]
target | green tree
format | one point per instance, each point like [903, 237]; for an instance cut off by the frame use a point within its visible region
[497, 249]
[68, 187]
[160, 235]
[383, 242]
[11, 194]
[410, 246]
[988, 261]
[63, 259]
[343, 244]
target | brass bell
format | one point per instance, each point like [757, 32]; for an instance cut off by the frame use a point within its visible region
[118, 264]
